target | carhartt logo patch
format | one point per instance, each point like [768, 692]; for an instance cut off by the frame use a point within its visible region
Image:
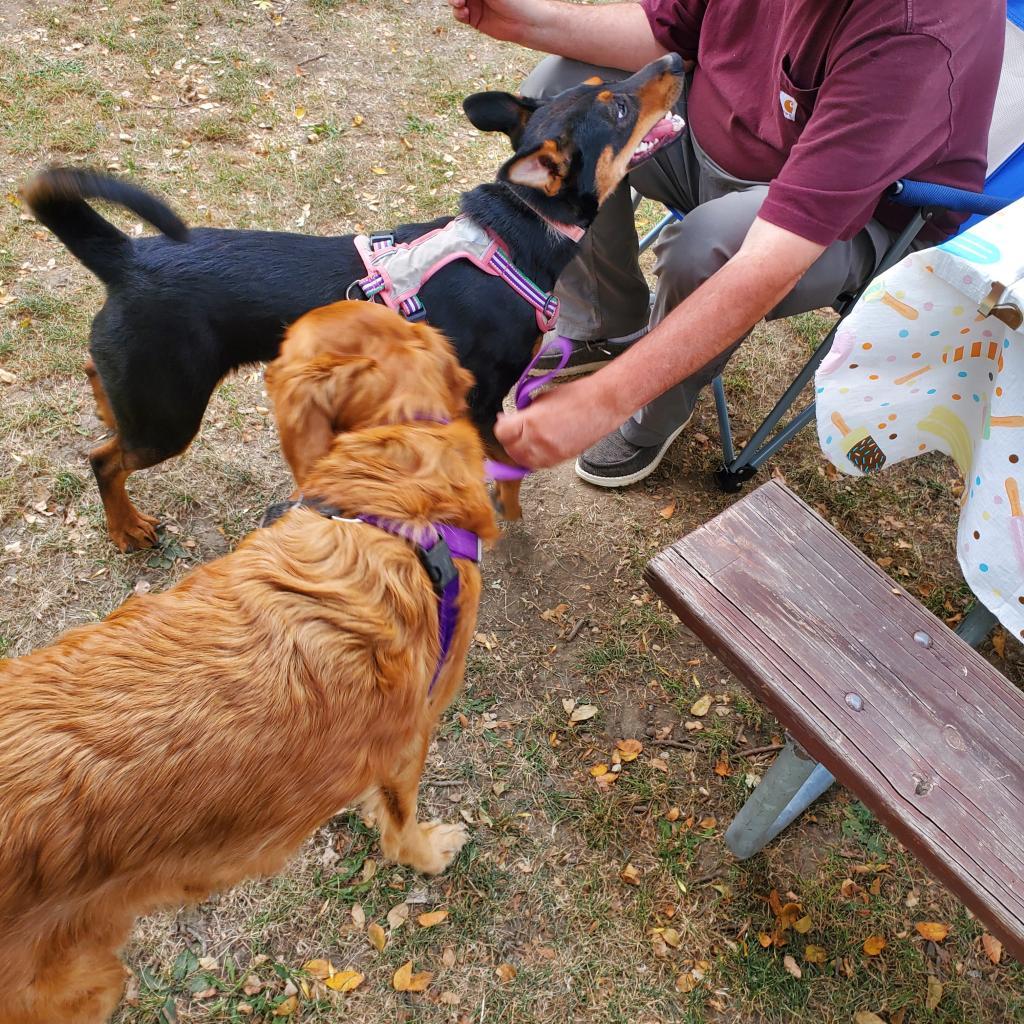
[788, 106]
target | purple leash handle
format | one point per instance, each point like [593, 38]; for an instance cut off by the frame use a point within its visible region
[526, 386]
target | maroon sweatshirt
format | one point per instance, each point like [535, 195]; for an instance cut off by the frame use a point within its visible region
[832, 100]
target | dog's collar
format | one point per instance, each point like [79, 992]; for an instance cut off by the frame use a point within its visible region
[437, 545]
[573, 232]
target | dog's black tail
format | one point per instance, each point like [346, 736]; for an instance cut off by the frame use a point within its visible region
[58, 197]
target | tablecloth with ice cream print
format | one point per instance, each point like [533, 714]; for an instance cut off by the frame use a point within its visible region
[918, 367]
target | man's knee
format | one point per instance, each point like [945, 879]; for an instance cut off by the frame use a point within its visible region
[690, 251]
[556, 74]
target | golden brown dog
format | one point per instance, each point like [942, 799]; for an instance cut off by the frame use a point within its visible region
[168, 750]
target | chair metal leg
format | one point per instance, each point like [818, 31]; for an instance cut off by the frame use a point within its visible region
[976, 625]
[651, 237]
[792, 784]
[737, 469]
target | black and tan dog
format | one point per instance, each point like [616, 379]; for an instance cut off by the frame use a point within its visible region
[185, 308]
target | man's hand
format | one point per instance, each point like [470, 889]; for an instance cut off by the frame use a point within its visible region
[501, 19]
[565, 422]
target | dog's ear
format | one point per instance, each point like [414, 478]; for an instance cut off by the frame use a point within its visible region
[545, 168]
[500, 112]
[318, 399]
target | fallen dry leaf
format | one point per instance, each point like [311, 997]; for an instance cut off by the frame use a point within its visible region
[319, 969]
[999, 643]
[448, 956]
[357, 121]
[864, 1017]
[345, 981]
[630, 875]
[672, 814]
[874, 944]
[686, 982]
[708, 822]
[803, 925]
[300, 113]
[993, 947]
[252, 986]
[598, 770]
[629, 750]
[934, 931]
[722, 768]
[934, 996]
[377, 936]
[668, 511]
[287, 1007]
[405, 981]
[765, 939]
[660, 764]
[506, 972]
[554, 614]
[815, 955]
[849, 888]
[672, 937]
[583, 713]
[397, 916]
[432, 918]
[898, 1016]
[792, 967]
[358, 916]
[702, 706]
[7, 377]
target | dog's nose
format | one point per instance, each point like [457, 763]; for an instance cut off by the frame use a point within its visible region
[673, 63]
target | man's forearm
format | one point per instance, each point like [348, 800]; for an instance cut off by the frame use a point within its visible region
[609, 35]
[707, 323]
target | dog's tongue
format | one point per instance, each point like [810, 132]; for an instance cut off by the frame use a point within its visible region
[667, 130]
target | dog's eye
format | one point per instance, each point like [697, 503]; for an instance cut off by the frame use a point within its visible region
[621, 110]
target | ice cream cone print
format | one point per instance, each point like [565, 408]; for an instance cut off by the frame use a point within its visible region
[1016, 520]
[946, 424]
[877, 293]
[911, 376]
[859, 446]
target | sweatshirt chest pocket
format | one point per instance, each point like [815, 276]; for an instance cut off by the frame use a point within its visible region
[795, 103]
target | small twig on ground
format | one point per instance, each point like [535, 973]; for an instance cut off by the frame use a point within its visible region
[768, 748]
[677, 744]
[312, 60]
[709, 877]
[575, 631]
[445, 782]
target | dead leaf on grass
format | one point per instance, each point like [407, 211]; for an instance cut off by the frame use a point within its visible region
[287, 1007]
[660, 764]
[874, 944]
[815, 955]
[934, 931]
[722, 768]
[672, 814]
[993, 947]
[506, 972]
[803, 925]
[668, 511]
[672, 937]
[319, 969]
[630, 875]
[397, 916]
[358, 916]
[554, 614]
[448, 956]
[629, 750]
[866, 1017]
[702, 706]
[934, 996]
[377, 936]
[432, 918]
[686, 982]
[583, 713]
[405, 981]
[999, 643]
[345, 981]
[792, 967]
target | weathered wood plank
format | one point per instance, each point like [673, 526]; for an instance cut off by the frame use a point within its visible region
[804, 619]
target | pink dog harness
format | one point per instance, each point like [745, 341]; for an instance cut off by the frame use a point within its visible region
[395, 272]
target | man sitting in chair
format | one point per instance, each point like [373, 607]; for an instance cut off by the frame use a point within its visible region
[800, 114]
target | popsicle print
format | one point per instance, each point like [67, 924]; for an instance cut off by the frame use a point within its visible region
[1016, 520]
[877, 292]
[859, 446]
[946, 424]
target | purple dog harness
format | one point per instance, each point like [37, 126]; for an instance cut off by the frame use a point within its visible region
[436, 545]
[526, 387]
[395, 272]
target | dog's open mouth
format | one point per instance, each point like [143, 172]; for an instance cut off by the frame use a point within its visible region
[666, 131]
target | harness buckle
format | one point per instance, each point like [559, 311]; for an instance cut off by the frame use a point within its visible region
[381, 240]
[438, 562]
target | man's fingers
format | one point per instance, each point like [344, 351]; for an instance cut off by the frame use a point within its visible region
[508, 429]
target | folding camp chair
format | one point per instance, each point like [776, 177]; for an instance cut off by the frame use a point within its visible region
[1005, 183]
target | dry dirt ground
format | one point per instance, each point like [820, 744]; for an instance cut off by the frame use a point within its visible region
[573, 902]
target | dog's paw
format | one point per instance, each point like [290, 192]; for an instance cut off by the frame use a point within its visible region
[442, 843]
[135, 533]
